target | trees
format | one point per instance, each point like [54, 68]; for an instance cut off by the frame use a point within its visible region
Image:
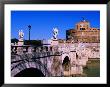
[33, 42]
[14, 40]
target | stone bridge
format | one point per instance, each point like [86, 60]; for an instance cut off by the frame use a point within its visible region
[47, 61]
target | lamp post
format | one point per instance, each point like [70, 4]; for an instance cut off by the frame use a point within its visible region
[29, 27]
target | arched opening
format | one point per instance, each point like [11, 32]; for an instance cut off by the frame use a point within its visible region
[66, 64]
[30, 72]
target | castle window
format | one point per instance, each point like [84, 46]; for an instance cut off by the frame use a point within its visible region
[73, 32]
[87, 26]
[82, 28]
[77, 26]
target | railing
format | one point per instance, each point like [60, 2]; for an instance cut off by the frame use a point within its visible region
[19, 50]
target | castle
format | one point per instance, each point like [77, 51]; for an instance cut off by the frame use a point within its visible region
[83, 33]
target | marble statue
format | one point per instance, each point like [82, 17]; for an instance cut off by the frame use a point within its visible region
[55, 33]
[21, 34]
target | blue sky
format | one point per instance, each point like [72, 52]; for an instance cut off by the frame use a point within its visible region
[43, 22]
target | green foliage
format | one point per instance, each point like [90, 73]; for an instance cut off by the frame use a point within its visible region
[14, 40]
[27, 42]
[33, 42]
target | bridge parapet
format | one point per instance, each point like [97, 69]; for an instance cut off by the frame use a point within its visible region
[19, 50]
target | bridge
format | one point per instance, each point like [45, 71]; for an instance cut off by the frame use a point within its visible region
[48, 61]
[53, 58]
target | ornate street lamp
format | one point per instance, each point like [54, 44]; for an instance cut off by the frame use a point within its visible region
[29, 27]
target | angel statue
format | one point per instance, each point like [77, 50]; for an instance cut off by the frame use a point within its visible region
[55, 33]
[21, 34]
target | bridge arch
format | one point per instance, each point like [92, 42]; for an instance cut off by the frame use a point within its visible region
[26, 66]
[66, 64]
[30, 72]
[65, 55]
[66, 59]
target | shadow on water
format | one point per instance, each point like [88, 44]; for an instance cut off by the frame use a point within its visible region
[30, 72]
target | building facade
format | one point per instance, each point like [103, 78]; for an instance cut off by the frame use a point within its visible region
[83, 33]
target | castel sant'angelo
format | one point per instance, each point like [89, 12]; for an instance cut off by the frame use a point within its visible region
[83, 33]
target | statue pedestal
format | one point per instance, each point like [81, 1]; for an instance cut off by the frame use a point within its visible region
[50, 42]
[20, 42]
[54, 42]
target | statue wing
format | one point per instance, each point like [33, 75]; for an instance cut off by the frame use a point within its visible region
[19, 32]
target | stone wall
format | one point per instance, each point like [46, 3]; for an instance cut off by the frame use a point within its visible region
[83, 33]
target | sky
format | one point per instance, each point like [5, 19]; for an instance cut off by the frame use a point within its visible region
[43, 22]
